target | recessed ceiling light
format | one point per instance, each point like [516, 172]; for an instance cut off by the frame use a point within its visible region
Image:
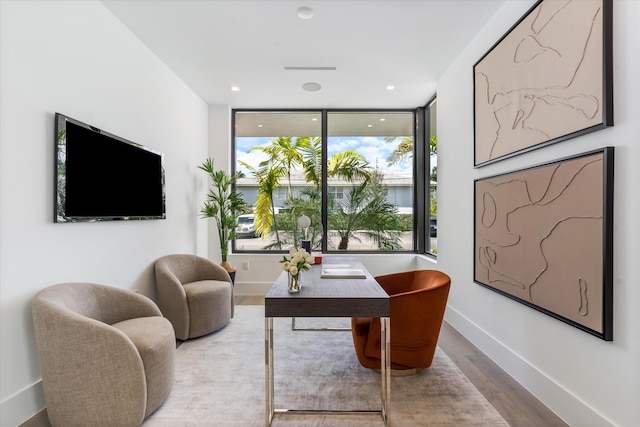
[382, 119]
[311, 87]
[391, 87]
[315, 119]
[369, 126]
[305, 12]
[234, 88]
[259, 126]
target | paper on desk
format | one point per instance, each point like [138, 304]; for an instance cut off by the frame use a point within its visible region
[340, 271]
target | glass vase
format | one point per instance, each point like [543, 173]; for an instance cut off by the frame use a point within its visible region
[294, 283]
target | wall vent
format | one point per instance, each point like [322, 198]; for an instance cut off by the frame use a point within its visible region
[310, 68]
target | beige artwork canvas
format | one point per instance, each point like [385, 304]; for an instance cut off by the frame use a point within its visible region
[546, 80]
[543, 237]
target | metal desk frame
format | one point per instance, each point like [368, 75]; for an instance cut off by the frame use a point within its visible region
[385, 374]
[299, 311]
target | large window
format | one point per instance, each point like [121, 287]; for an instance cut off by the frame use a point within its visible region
[280, 155]
[431, 154]
[350, 172]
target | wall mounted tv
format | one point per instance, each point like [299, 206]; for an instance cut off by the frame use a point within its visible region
[102, 177]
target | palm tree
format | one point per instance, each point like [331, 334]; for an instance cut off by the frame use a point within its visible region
[286, 154]
[311, 152]
[348, 165]
[308, 202]
[404, 150]
[365, 209]
[268, 180]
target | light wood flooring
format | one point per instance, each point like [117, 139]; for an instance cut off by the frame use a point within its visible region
[516, 405]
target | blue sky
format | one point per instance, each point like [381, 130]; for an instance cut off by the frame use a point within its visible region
[374, 150]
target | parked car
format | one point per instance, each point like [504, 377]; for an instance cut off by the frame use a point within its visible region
[433, 227]
[246, 226]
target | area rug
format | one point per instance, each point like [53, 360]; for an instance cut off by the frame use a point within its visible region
[220, 381]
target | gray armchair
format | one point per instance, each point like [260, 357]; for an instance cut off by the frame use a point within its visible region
[106, 354]
[195, 294]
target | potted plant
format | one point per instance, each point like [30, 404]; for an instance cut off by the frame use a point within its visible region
[223, 203]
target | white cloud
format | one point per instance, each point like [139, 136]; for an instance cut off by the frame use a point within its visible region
[254, 158]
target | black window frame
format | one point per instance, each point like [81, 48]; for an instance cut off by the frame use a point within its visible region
[420, 180]
[425, 181]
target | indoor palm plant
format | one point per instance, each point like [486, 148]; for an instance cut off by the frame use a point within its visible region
[223, 203]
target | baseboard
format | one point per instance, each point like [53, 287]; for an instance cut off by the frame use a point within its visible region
[38, 420]
[22, 406]
[562, 402]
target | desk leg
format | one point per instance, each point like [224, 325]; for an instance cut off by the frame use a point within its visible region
[268, 359]
[385, 368]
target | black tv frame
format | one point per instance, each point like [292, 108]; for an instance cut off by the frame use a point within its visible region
[60, 190]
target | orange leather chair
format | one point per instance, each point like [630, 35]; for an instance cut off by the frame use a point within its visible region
[418, 301]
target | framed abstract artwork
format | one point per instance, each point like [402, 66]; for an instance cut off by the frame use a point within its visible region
[543, 237]
[548, 79]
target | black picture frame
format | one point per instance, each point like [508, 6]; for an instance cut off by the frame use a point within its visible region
[543, 236]
[549, 78]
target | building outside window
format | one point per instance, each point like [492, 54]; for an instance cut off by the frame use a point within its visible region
[335, 193]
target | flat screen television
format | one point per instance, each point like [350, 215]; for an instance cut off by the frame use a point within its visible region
[102, 177]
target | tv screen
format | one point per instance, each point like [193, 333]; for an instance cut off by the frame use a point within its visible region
[102, 177]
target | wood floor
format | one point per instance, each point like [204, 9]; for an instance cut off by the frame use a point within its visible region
[516, 405]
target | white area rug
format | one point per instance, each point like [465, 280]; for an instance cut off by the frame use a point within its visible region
[220, 381]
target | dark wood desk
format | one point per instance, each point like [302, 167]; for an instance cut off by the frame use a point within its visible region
[322, 297]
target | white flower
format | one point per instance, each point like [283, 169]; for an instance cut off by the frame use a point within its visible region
[297, 261]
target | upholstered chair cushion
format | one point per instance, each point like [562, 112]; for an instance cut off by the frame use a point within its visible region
[417, 304]
[156, 346]
[106, 354]
[195, 294]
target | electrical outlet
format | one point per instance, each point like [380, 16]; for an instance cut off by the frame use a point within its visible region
[245, 265]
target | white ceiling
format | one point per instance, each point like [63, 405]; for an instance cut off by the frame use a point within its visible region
[215, 44]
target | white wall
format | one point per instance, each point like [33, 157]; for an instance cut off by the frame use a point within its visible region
[220, 151]
[264, 269]
[74, 57]
[586, 381]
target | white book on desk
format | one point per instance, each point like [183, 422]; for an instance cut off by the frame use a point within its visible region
[342, 271]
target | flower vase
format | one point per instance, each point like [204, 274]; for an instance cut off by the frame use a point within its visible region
[294, 283]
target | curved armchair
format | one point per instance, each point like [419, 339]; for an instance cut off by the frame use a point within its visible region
[195, 294]
[106, 354]
[418, 300]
